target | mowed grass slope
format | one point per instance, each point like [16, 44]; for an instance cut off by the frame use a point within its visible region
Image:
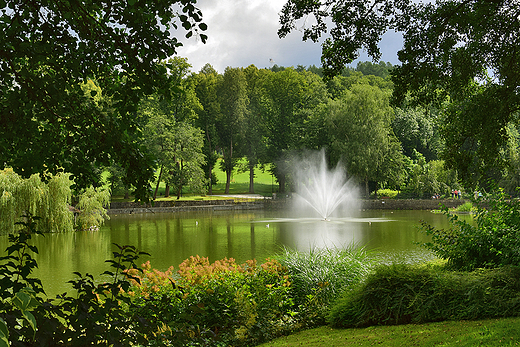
[264, 183]
[491, 332]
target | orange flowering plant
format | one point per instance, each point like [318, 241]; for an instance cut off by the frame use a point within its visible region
[219, 302]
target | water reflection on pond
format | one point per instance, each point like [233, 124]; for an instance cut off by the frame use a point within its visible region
[172, 237]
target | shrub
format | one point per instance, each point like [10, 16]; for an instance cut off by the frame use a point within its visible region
[400, 294]
[216, 303]
[465, 207]
[493, 241]
[387, 193]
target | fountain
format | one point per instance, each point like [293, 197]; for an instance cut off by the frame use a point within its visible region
[320, 190]
[324, 210]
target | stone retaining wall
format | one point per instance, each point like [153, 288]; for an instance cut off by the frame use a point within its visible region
[184, 205]
[409, 204]
[249, 204]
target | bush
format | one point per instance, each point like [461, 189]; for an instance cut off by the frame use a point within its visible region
[465, 207]
[221, 303]
[401, 294]
[387, 193]
[493, 241]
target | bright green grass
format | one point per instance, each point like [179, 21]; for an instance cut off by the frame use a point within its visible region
[264, 184]
[492, 332]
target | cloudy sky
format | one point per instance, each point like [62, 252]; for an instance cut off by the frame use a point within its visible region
[244, 32]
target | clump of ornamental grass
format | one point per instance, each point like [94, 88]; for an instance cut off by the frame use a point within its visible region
[403, 293]
[320, 275]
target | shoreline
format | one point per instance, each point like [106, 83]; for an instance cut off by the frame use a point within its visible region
[246, 202]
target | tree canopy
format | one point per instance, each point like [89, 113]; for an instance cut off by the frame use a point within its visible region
[464, 50]
[49, 48]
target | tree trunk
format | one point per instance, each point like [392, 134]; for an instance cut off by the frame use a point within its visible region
[229, 167]
[228, 180]
[210, 190]
[181, 179]
[167, 191]
[158, 181]
[281, 183]
[367, 189]
[251, 179]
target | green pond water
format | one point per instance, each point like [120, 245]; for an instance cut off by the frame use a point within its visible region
[172, 237]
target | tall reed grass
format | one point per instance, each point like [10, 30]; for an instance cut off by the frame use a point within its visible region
[321, 275]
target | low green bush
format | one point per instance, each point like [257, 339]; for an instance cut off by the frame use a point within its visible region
[400, 294]
[465, 207]
[492, 241]
[387, 193]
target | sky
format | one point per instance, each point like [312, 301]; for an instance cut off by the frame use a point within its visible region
[244, 32]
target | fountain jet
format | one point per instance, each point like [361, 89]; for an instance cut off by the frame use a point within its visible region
[326, 191]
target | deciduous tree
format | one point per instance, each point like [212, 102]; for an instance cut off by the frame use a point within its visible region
[233, 106]
[360, 127]
[206, 86]
[48, 48]
[448, 46]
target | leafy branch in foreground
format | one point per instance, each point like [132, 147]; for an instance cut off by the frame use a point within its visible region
[492, 241]
[97, 315]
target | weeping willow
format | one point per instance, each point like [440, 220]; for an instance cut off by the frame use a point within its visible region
[91, 204]
[47, 200]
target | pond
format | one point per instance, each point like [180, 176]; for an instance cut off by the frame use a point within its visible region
[172, 237]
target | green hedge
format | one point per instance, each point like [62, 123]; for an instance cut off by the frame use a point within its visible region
[400, 294]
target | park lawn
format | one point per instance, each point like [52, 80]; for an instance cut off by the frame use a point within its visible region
[264, 182]
[264, 185]
[490, 332]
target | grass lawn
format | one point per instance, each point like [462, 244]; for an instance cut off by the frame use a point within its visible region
[264, 184]
[491, 332]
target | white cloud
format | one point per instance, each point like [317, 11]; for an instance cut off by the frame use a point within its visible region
[244, 32]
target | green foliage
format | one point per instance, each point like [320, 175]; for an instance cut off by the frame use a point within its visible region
[48, 121]
[359, 123]
[91, 206]
[417, 130]
[387, 193]
[98, 315]
[48, 199]
[465, 207]
[456, 52]
[216, 304]
[402, 294]
[232, 93]
[380, 69]
[176, 145]
[17, 289]
[492, 241]
[319, 276]
[426, 179]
